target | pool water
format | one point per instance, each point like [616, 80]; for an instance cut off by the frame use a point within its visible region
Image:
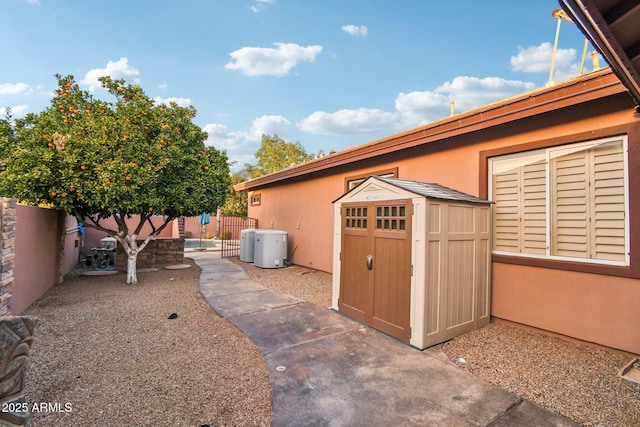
[200, 243]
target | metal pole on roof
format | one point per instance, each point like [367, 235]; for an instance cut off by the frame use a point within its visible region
[553, 53]
[584, 55]
[561, 15]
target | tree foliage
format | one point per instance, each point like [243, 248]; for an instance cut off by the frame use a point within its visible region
[7, 137]
[96, 159]
[275, 154]
[236, 202]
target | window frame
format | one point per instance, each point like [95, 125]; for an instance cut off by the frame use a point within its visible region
[255, 199]
[632, 131]
[547, 154]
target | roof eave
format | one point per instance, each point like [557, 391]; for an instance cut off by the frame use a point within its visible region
[593, 25]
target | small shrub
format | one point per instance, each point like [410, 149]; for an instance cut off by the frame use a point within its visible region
[226, 235]
[210, 235]
[188, 234]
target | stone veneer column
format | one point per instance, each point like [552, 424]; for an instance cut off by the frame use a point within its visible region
[16, 336]
[7, 252]
[181, 227]
[16, 333]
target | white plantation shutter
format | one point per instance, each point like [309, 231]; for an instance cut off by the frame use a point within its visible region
[608, 206]
[520, 209]
[569, 201]
[569, 190]
[506, 223]
[589, 210]
[534, 208]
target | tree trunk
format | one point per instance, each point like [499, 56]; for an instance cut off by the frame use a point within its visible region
[132, 259]
[129, 242]
[131, 248]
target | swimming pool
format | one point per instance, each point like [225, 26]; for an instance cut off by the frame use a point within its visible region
[201, 243]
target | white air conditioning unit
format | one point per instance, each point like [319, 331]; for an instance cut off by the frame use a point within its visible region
[247, 244]
[270, 249]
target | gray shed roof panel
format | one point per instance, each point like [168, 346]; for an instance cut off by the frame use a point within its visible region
[432, 191]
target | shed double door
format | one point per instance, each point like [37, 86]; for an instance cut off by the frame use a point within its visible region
[375, 273]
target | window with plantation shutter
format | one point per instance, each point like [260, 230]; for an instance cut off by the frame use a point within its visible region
[520, 209]
[564, 202]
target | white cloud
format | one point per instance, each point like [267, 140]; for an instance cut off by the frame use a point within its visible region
[471, 92]
[163, 86]
[117, 70]
[346, 122]
[356, 30]
[415, 108]
[34, 2]
[182, 102]
[270, 124]
[242, 145]
[15, 89]
[16, 110]
[421, 107]
[278, 61]
[537, 59]
[261, 4]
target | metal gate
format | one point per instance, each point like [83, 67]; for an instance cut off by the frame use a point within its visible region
[230, 228]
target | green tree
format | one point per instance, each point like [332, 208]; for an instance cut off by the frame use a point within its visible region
[275, 154]
[130, 157]
[236, 202]
[7, 137]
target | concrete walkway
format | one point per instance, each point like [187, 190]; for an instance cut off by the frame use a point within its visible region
[328, 370]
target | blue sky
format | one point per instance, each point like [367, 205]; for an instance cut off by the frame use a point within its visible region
[330, 74]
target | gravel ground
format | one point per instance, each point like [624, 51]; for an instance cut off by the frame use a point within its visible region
[109, 351]
[310, 285]
[578, 381]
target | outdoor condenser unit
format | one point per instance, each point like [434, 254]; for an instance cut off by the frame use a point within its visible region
[270, 249]
[247, 244]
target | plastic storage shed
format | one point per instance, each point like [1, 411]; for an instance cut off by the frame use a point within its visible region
[247, 244]
[270, 249]
[412, 259]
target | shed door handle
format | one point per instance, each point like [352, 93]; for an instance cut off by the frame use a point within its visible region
[369, 262]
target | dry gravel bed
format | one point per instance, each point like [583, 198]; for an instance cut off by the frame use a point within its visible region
[110, 351]
[578, 381]
[307, 284]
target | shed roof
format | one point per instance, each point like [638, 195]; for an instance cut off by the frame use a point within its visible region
[432, 190]
[425, 189]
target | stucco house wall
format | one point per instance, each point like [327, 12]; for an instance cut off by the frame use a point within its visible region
[587, 301]
[44, 253]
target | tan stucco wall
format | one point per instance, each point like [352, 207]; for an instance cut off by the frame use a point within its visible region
[612, 301]
[305, 212]
[586, 306]
[309, 202]
[44, 253]
[35, 265]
